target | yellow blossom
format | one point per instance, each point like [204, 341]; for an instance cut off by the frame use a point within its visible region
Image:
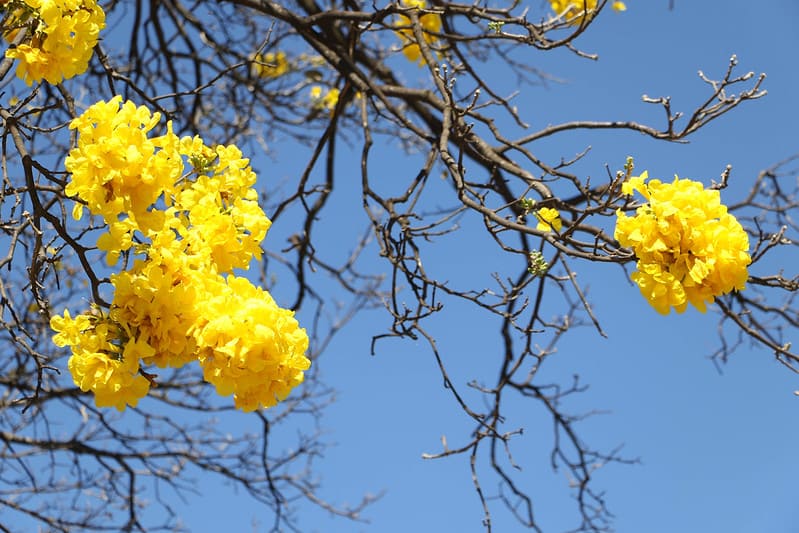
[430, 25]
[270, 65]
[689, 248]
[60, 39]
[68, 328]
[575, 12]
[328, 101]
[331, 99]
[162, 299]
[117, 168]
[105, 358]
[250, 347]
[548, 219]
[119, 171]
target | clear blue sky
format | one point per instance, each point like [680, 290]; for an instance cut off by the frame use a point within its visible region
[716, 449]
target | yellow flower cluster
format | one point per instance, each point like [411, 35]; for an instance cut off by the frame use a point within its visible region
[189, 215]
[249, 346]
[575, 11]
[431, 25]
[270, 65]
[689, 248]
[59, 40]
[105, 359]
[327, 101]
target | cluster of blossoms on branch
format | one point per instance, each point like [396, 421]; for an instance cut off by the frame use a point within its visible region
[188, 215]
[276, 64]
[324, 99]
[574, 12]
[689, 248]
[578, 12]
[270, 65]
[58, 40]
[431, 26]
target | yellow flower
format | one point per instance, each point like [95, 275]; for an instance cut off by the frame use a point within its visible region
[331, 99]
[68, 329]
[328, 101]
[575, 12]
[548, 219]
[689, 248]
[430, 23]
[60, 40]
[200, 156]
[636, 183]
[270, 65]
[105, 359]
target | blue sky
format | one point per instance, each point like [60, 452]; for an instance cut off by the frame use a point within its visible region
[716, 448]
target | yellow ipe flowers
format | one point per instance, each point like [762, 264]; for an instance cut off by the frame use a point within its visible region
[574, 11]
[431, 25]
[270, 65]
[689, 248]
[548, 219]
[60, 36]
[188, 215]
[327, 101]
